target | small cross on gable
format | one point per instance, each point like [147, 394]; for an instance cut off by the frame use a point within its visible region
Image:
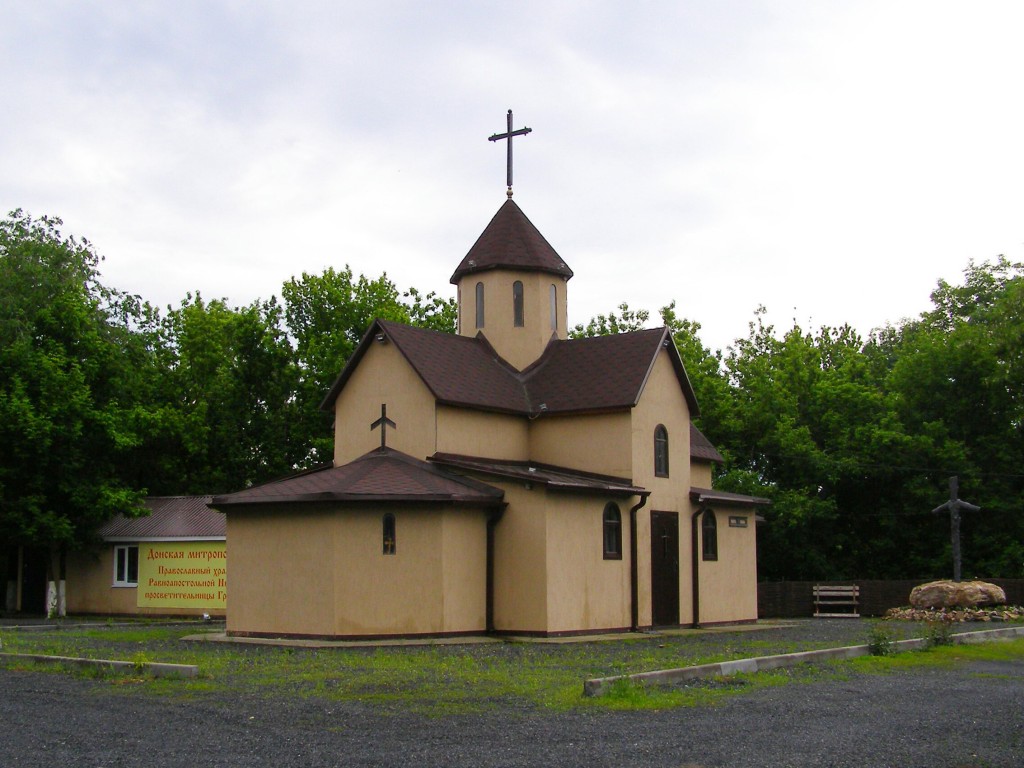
[383, 422]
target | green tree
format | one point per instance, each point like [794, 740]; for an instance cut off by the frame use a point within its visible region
[605, 325]
[225, 399]
[958, 378]
[66, 392]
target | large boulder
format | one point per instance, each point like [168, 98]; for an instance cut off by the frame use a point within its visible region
[954, 594]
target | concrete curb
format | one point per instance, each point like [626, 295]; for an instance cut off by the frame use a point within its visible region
[601, 685]
[151, 668]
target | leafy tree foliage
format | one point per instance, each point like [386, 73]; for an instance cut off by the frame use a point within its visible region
[66, 390]
[225, 397]
[854, 440]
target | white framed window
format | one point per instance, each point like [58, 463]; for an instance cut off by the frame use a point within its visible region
[126, 565]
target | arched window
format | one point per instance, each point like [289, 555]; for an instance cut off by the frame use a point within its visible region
[661, 451]
[517, 304]
[553, 293]
[709, 538]
[388, 527]
[612, 532]
[479, 305]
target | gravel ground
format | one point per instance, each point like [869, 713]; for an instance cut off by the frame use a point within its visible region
[935, 718]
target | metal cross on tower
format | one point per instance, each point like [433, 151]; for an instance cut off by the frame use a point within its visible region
[508, 135]
[954, 506]
[383, 422]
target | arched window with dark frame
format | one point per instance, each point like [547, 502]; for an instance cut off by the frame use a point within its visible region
[661, 451]
[553, 306]
[518, 312]
[612, 525]
[479, 305]
[709, 535]
[388, 531]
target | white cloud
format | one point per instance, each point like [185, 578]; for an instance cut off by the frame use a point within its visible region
[828, 160]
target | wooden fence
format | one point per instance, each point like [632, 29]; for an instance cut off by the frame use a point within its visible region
[795, 599]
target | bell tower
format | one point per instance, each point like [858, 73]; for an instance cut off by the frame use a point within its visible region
[512, 288]
[512, 284]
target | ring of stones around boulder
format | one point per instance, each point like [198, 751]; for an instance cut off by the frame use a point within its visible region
[837, 601]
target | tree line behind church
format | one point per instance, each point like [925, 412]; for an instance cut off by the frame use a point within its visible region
[104, 399]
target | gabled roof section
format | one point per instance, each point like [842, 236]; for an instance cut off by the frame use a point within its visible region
[701, 448]
[601, 373]
[170, 517]
[552, 477]
[511, 241]
[383, 475]
[458, 370]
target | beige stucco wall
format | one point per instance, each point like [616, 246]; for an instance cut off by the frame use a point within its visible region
[324, 572]
[464, 575]
[662, 402]
[281, 578]
[597, 443]
[476, 433]
[728, 586]
[520, 561]
[585, 591]
[701, 473]
[89, 589]
[434, 583]
[519, 346]
[383, 376]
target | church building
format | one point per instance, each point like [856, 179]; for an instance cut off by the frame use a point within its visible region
[524, 483]
[505, 480]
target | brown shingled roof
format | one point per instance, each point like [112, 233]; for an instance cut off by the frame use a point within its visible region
[511, 241]
[701, 447]
[597, 373]
[600, 373]
[170, 517]
[382, 475]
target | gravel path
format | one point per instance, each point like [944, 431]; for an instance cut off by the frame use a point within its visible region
[935, 718]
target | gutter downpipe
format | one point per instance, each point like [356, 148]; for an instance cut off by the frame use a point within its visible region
[695, 565]
[634, 578]
[492, 521]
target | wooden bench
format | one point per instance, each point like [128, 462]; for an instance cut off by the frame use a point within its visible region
[837, 601]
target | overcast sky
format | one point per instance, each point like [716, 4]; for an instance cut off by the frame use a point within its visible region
[829, 160]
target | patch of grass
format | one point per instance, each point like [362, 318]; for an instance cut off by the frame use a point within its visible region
[942, 656]
[444, 680]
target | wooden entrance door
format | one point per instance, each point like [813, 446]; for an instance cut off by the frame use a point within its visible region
[665, 568]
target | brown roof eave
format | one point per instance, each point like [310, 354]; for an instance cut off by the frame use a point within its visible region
[461, 273]
[556, 487]
[483, 408]
[354, 499]
[684, 380]
[706, 495]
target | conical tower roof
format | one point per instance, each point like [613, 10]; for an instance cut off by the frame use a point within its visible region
[511, 241]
